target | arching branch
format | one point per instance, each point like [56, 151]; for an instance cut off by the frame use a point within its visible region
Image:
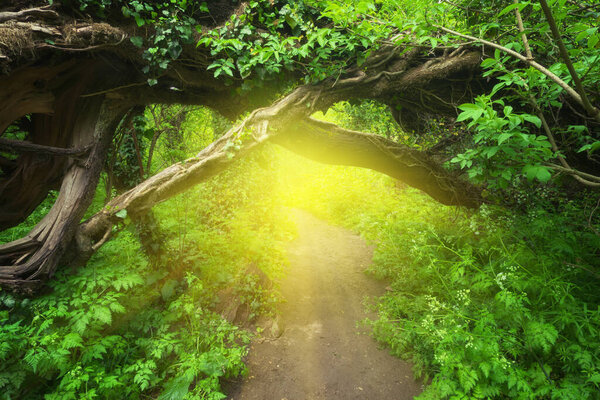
[397, 80]
[288, 124]
[331, 144]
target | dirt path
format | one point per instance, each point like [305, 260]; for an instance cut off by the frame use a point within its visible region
[321, 353]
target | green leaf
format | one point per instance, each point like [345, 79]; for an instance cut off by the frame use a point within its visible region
[488, 62]
[138, 19]
[116, 307]
[103, 314]
[491, 151]
[533, 119]
[539, 172]
[512, 7]
[471, 111]
[178, 387]
[137, 41]
[504, 137]
[71, 340]
[121, 214]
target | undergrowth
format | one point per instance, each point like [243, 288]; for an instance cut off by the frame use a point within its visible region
[487, 305]
[125, 327]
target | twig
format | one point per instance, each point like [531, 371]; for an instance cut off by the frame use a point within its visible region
[589, 108]
[104, 239]
[522, 30]
[584, 8]
[581, 177]
[572, 92]
[22, 146]
[593, 273]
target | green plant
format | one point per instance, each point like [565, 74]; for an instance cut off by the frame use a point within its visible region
[505, 148]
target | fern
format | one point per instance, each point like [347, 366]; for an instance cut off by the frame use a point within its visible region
[178, 387]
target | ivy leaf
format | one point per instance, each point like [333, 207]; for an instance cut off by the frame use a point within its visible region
[138, 19]
[137, 41]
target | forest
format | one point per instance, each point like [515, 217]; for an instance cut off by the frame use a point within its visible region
[182, 181]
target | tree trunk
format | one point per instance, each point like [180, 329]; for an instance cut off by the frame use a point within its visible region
[28, 262]
[78, 99]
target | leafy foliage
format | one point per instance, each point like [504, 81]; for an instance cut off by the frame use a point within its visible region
[492, 304]
[500, 157]
[122, 327]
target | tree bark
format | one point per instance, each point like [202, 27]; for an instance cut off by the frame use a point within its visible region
[288, 124]
[27, 263]
[77, 98]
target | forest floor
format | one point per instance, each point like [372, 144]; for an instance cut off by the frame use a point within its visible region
[323, 353]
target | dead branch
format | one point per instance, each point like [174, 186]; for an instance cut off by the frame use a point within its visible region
[22, 146]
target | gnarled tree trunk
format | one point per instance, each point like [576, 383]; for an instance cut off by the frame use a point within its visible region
[77, 95]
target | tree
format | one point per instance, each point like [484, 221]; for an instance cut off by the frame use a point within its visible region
[72, 72]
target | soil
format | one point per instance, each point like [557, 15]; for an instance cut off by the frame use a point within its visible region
[323, 352]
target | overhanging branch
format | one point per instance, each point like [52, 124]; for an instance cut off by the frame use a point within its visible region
[331, 144]
[286, 123]
[22, 146]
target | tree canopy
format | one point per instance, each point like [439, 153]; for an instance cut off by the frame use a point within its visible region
[502, 92]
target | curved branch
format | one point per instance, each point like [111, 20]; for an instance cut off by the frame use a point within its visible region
[40, 12]
[555, 78]
[22, 146]
[331, 144]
